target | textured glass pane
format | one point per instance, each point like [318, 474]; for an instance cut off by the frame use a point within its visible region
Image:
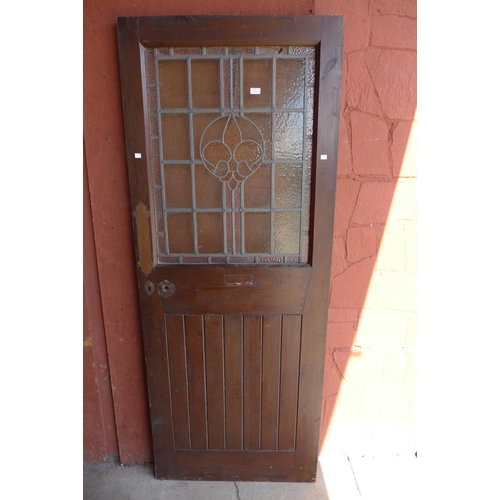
[289, 135]
[227, 82]
[168, 260]
[150, 66]
[288, 186]
[236, 82]
[152, 98]
[237, 232]
[159, 221]
[286, 232]
[305, 248]
[306, 219]
[263, 122]
[241, 260]
[236, 203]
[241, 50]
[186, 51]
[158, 202]
[180, 233]
[257, 188]
[215, 51]
[210, 238]
[310, 107]
[155, 161]
[161, 244]
[290, 83]
[205, 75]
[291, 259]
[308, 160]
[257, 232]
[257, 73]
[218, 260]
[172, 79]
[153, 124]
[271, 260]
[275, 49]
[208, 189]
[175, 136]
[302, 50]
[178, 186]
[164, 51]
[194, 260]
[311, 70]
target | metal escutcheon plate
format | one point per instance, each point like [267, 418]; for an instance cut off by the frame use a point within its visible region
[166, 288]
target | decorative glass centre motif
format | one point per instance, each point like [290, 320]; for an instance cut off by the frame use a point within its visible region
[234, 154]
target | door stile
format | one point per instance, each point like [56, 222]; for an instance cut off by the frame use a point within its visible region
[152, 315]
[315, 315]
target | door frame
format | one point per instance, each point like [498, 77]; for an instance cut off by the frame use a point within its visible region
[324, 32]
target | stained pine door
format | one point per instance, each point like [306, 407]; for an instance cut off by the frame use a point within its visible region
[231, 127]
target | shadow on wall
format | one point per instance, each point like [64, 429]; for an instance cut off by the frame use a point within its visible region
[369, 394]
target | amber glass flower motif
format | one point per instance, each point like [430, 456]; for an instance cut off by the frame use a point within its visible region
[237, 154]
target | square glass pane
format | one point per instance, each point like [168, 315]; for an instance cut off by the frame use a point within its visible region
[209, 227]
[288, 186]
[290, 83]
[263, 122]
[289, 136]
[177, 186]
[205, 83]
[257, 232]
[172, 81]
[175, 136]
[208, 189]
[180, 233]
[257, 73]
[257, 188]
[287, 232]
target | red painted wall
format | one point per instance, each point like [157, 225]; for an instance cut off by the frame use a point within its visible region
[378, 104]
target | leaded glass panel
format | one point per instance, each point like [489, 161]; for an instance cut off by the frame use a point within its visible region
[231, 151]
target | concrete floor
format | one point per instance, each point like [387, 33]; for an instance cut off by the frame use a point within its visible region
[342, 478]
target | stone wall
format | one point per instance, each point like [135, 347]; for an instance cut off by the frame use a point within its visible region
[369, 396]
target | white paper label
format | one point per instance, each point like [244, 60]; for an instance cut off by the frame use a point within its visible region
[254, 90]
[138, 155]
[324, 157]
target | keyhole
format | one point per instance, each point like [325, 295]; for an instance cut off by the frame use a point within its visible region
[149, 287]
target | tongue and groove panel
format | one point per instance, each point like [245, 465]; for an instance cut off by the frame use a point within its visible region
[234, 381]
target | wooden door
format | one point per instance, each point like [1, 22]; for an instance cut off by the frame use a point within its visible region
[231, 128]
